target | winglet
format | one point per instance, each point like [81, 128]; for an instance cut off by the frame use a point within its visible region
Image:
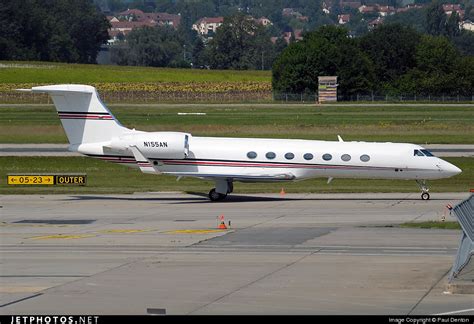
[145, 165]
[340, 138]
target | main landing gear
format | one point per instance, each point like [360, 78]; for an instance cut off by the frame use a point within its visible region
[223, 187]
[424, 189]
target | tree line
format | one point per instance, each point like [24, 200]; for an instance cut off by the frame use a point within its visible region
[51, 30]
[239, 43]
[392, 59]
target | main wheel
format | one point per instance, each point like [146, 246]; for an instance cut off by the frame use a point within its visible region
[425, 196]
[215, 196]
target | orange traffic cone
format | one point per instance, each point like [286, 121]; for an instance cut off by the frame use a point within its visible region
[282, 192]
[222, 226]
[221, 222]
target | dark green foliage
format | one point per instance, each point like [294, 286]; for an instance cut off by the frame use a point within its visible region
[439, 70]
[240, 44]
[392, 59]
[327, 51]
[151, 46]
[47, 30]
[464, 42]
[435, 19]
[391, 48]
[414, 18]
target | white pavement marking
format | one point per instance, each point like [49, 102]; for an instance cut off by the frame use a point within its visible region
[457, 312]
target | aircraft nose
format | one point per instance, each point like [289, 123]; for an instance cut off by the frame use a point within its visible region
[450, 169]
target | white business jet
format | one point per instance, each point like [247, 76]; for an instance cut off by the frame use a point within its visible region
[92, 130]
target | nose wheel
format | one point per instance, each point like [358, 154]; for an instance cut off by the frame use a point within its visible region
[424, 189]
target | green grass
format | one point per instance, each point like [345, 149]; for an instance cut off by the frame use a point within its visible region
[432, 224]
[47, 72]
[413, 124]
[106, 177]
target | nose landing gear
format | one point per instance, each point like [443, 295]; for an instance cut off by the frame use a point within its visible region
[424, 189]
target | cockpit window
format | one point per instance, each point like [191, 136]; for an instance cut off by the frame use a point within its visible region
[418, 153]
[427, 153]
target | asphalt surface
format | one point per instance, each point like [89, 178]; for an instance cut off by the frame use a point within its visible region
[291, 254]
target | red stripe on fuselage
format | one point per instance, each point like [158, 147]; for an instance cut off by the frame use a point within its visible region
[266, 165]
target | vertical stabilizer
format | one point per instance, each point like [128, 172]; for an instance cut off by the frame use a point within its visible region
[83, 115]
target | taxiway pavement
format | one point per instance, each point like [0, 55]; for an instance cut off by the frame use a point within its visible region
[162, 253]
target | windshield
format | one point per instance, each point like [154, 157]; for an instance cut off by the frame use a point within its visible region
[422, 153]
[427, 153]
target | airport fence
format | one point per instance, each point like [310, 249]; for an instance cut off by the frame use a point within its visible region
[146, 97]
[308, 97]
[150, 97]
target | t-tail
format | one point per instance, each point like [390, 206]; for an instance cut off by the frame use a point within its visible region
[84, 117]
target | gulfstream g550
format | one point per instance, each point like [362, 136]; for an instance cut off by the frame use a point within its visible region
[92, 130]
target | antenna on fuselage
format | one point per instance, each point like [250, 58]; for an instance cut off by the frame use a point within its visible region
[340, 138]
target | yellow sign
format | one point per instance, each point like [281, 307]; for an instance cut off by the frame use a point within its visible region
[52, 179]
[31, 180]
[70, 180]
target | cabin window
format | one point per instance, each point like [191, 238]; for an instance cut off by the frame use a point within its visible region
[270, 155]
[365, 158]
[346, 157]
[427, 153]
[418, 153]
[251, 155]
[308, 156]
[289, 156]
[327, 157]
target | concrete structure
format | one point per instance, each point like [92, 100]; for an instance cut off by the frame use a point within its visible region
[343, 19]
[467, 25]
[206, 25]
[124, 22]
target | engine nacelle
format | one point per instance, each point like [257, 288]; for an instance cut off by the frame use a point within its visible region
[158, 145]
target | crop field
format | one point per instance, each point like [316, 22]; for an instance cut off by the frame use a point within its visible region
[452, 124]
[104, 177]
[135, 84]
[55, 73]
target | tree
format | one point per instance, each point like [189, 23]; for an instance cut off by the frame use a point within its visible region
[392, 49]
[326, 51]
[435, 19]
[464, 42]
[438, 69]
[62, 30]
[151, 46]
[452, 25]
[198, 54]
[414, 18]
[240, 44]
